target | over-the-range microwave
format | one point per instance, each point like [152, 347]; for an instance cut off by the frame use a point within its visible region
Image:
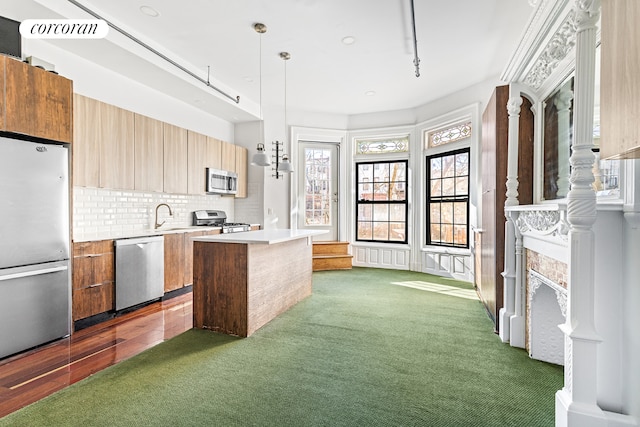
[221, 181]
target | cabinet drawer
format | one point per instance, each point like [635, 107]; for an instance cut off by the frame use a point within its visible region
[91, 270]
[92, 248]
[92, 300]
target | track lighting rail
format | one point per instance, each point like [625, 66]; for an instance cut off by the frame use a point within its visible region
[416, 60]
[149, 48]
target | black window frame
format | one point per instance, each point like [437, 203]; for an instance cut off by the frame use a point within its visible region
[404, 202]
[446, 199]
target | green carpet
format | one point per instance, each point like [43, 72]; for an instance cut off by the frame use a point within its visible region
[361, 351]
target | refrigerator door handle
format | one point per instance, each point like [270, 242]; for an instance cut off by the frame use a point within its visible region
[33, 273]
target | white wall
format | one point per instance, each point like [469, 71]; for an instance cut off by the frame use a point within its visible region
[452, 264]
[251, 209]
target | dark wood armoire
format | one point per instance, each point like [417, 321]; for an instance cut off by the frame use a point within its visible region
[490, 242]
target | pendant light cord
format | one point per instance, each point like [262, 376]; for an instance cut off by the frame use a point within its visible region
[285, 102]
[261, 136]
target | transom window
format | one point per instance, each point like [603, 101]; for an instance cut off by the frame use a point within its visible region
[381, 203]
[448, 199]
[383, 145]
[448, 135]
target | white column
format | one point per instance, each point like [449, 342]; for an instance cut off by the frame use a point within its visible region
[576, 403]
[631, 291]
[563, 107]
[509, 273]
[518, 320]
[513, 108]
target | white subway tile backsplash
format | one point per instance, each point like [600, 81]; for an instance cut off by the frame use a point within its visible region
[113, 213]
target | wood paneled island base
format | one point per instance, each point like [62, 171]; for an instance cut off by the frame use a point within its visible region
[242, 282]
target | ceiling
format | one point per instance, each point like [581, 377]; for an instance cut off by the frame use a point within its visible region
[460, 43]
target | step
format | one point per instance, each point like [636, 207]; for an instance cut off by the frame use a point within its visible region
[332, 262]
[331, 248]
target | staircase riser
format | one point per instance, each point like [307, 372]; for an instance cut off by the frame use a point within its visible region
[342, 263]
[331, 249]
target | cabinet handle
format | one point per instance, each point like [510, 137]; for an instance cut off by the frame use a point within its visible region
[95, 285]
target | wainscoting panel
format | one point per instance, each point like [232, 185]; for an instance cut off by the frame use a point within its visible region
[457, 266]
[380, 257]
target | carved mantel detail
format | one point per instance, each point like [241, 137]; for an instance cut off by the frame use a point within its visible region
[551, 223]
[546, 341]
[536, 280]
[560, 45]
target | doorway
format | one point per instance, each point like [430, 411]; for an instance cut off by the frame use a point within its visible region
[318, 188]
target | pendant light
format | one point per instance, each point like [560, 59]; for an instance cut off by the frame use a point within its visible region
[285, 165]
[260, 158]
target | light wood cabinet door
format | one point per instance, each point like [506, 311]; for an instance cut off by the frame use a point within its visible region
[37, 102]
[174, 261]
[116, 148]
[196, 162]
[175, 159]
[214, 153]
[149, 154]
[86, 141]
[619, 82]
[3, 60]
[241, 169]
[93, 278]
[228, 153]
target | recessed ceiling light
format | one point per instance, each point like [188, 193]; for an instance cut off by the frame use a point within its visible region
[149, 11]
[370, 92]
[348, 40]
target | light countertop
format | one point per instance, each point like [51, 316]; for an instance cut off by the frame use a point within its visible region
[88, 237]
[265, 237]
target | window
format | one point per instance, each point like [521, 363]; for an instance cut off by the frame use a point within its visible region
[317, 191]
[448, 199]
[381, 203]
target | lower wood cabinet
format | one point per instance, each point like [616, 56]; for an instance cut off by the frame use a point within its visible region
[188, 251]
[178, 258]
[93, 288]
[174, 260]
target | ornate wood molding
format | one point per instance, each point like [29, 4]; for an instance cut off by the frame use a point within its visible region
[552, 223]
[536, 280]
[558, 48]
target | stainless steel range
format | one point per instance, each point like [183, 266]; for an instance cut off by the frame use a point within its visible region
[213, 218]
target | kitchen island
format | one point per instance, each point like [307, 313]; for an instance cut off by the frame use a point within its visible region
[241, 281]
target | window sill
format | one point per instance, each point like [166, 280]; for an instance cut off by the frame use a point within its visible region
[404, 246]
[444, 250]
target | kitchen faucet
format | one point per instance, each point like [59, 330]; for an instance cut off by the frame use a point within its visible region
[158, 225]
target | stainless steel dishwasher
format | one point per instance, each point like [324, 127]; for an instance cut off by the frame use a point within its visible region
[139, 270]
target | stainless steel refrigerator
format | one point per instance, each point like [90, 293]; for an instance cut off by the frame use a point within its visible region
[35, 281]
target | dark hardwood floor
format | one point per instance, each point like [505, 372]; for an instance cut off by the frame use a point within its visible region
[30, 376]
